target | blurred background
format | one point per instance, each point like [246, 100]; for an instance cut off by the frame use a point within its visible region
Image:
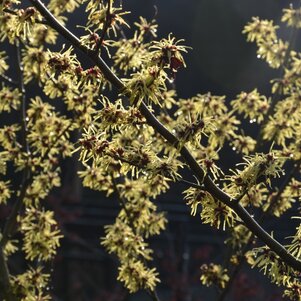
[222, 62]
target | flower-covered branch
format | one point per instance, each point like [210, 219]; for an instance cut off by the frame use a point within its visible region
[171, 139]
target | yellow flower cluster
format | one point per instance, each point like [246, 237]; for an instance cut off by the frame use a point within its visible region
[41, 234]
[270, 263]
[31, 285]
[270, 47]
[214, 274]
[213, 212]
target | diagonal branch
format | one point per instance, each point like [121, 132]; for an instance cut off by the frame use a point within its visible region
[242, 258]
[211, 187]
[69, 36]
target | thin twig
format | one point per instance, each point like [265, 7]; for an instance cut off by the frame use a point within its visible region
[106, 27]
[211, 187]
[152, 294]
[241, 260]
[235, 271]
[8, 80]
[69, 36]
[10, 226]
[12, 219]
[11, 222]
[240, 197]
[12, 12]
[5, 286]
[276, 95]
[259, 144]
[23, 102]
[191, 184]
[287, 179]
[122, 159]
